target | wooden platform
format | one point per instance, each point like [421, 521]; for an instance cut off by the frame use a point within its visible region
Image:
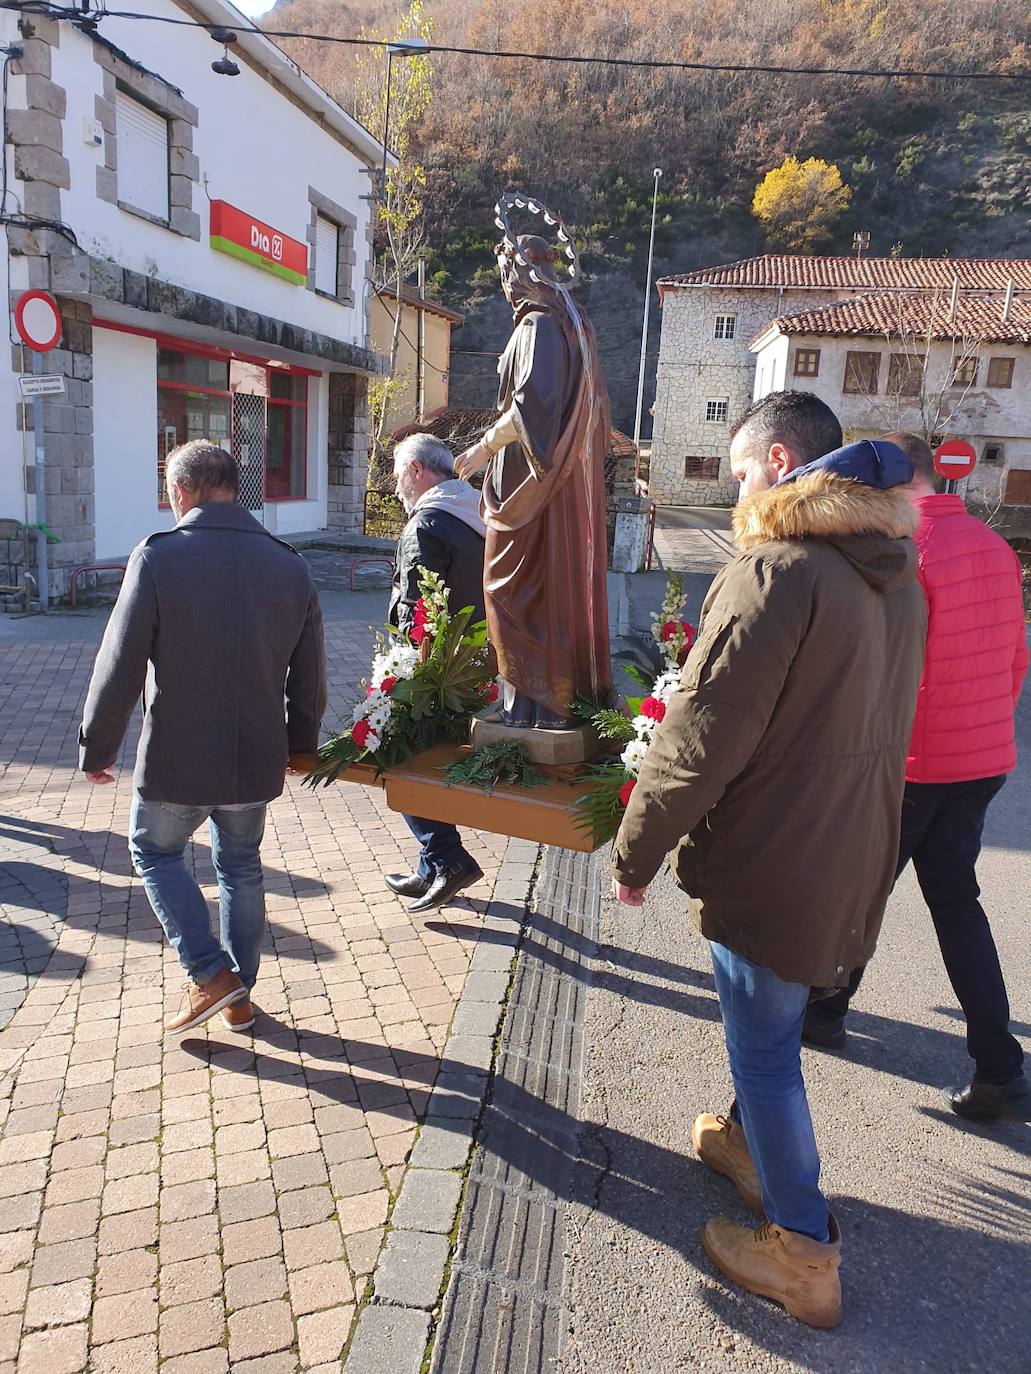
[545, 814]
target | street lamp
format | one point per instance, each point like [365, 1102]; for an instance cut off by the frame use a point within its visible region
[406, 47]
[647, 309]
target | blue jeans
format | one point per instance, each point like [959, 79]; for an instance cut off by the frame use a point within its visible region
[762, 1022]
[440, 846]
[158, 835]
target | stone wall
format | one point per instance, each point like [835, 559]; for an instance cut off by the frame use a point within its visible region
[348, 450]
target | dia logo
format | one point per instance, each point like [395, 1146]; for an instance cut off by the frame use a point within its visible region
[277, 247]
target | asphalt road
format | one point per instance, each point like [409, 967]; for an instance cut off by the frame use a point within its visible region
[936, 1214]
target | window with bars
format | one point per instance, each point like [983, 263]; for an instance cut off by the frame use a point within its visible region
[807, 362]
[905, 374]
[964, 372]
[716, 411]
[993, 453]
[861, 372]
[725, 327]
[327, 256]
[143, 157]
[707, 469]
[1000, 372]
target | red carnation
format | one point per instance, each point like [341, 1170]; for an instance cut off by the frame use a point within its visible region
[388, 684]
[361, 732]
[489, 692]
[625, 791]
[653, 708]
[668, 631]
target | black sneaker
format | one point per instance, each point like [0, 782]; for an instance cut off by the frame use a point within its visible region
[407, 884]
[980, 1101]
[447, 884]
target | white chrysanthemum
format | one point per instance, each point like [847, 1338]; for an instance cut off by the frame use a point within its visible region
[372, 741]
[666, 685]
[645, 727]
[633, 755]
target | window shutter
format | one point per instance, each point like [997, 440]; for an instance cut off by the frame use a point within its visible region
[142, 156]
[327, 255]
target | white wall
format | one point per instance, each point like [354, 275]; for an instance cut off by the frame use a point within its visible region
[125, 442]
[257, 150]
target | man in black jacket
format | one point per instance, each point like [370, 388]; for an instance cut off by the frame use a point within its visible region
[444, 535]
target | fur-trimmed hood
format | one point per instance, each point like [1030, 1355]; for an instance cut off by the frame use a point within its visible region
[869, 526]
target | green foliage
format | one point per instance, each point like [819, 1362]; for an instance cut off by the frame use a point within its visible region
[485, 768]
[910, 156]
[612, 724]
[599, 810]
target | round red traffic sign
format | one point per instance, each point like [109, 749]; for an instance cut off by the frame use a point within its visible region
[38, 320]
[955, 458]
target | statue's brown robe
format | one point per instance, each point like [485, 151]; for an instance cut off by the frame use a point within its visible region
[544, 508]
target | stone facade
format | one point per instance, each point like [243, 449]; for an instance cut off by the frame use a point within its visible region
[348, 450]
[694, 368]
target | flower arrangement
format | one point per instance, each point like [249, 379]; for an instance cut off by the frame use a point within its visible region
[600, 810]
[423, 688]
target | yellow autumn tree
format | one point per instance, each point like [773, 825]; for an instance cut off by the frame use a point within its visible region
[798, 202]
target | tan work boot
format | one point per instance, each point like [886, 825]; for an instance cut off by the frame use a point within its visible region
[720, 1143]
[239, 1016]
[202, 1000]
[799, 1273]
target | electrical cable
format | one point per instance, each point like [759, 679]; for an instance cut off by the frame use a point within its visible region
[53, 11]
[386, 298]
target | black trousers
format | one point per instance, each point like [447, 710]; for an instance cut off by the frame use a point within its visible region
[942, 824]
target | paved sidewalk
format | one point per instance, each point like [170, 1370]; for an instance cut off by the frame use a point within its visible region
[218, 1202]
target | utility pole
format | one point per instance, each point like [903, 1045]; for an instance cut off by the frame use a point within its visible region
[420, 350]
[647, 310]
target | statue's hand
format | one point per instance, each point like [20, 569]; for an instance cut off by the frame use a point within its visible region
[471, 461]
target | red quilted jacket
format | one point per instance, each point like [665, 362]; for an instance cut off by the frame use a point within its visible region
[977, 651]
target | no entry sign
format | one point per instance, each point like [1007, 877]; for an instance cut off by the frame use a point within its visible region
[38, 320]
[954, 459]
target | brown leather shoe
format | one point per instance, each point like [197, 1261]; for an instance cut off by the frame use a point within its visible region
[202, 1000]
[794, 1270]
[239, 1016]
[720, 1143]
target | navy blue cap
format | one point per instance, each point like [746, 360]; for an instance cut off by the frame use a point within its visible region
[874, 462]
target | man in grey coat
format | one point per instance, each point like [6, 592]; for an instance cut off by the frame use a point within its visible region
[220, 623]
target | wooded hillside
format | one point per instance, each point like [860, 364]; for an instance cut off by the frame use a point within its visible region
[938, 168]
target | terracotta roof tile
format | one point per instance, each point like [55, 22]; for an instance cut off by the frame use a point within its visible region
[927, 314]
[796, 271]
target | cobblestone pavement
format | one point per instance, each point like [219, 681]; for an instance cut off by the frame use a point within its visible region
[214, 1202]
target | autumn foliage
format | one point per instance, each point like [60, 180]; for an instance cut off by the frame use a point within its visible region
[799, 202]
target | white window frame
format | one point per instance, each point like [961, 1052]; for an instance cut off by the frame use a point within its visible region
[327, 256]
[724, 327]
[717, 410]
[144, 158]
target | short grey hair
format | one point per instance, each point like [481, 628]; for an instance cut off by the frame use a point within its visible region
[431, 452]
[203, 467]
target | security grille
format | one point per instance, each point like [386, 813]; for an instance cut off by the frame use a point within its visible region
[249, 429]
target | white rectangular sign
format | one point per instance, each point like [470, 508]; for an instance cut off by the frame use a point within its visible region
[51, 384]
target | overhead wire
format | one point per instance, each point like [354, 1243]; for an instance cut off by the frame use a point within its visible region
[56, 11]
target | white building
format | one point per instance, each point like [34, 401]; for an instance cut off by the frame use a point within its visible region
[919, 362]
[706, 370]
[207, 238]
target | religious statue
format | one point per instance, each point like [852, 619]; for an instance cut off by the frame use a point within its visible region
[543, 498]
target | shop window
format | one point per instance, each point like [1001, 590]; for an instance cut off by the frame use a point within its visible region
[257, 413]
[725, 327]
[143, 158]
[1000, 372]
[807, 362]
[905, 374]
[716, 411]
[861, 371]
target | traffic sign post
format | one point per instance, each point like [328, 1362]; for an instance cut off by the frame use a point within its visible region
[37, 318]
[953, 459]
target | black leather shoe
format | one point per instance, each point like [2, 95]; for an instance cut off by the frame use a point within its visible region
[992, 1101]
[447, 885]
[822, 1034]
[407, 884]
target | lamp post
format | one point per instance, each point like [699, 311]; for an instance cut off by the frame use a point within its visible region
[407, 47]
[647, 310]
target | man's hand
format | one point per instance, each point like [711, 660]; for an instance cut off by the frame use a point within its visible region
[103, 776]
[471, 461]
[629, 896]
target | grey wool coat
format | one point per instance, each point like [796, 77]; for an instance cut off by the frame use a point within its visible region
[219, 622]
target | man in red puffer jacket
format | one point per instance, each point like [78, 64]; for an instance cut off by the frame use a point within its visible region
[962, 749]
